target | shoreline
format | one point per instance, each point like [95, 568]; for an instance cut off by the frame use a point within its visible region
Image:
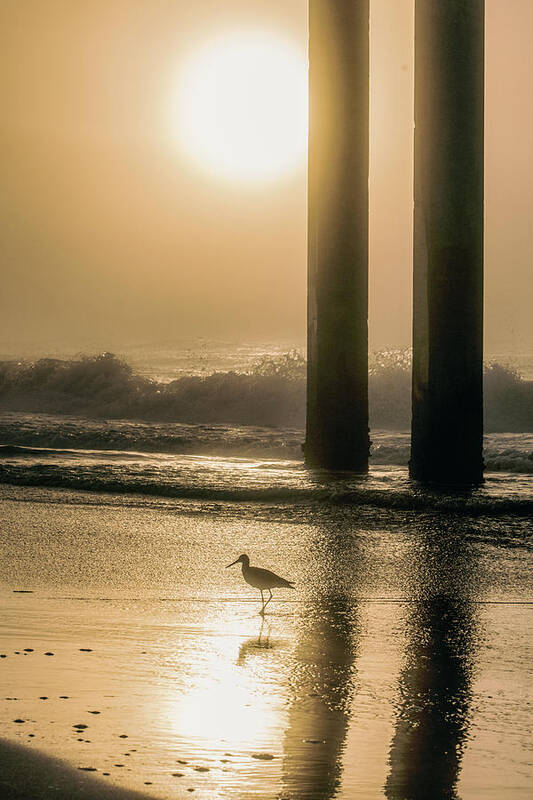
[330, 490]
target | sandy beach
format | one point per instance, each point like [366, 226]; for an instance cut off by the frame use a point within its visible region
[132, 656]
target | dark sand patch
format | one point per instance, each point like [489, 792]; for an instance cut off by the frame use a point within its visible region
[28, 775]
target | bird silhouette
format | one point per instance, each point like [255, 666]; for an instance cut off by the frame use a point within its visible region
[261, 579]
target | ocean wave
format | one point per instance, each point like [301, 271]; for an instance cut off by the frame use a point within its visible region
[244, 480]
[39, 434]
[270, 394]
[60, 432]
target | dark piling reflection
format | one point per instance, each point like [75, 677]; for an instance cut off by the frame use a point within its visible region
[435, 684]
[322, 680]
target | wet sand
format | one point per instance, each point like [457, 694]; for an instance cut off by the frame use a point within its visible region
[398, 668]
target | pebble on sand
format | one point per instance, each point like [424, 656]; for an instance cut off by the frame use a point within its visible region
[88, 769]
[263, 756]
[19, 721]
[28, 649]
[63, 697]
[80, 726]
[43, 698]
[181, 761]
[123, 736]
[148, 783]
[177, 774]
[49, 654]
[3, 655]
[201, 769]
[22, 591]
[94, 712]
[85, 650]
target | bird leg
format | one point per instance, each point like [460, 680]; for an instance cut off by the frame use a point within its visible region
[262, 612]
[268, 601]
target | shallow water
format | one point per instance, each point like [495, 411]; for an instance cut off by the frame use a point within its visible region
[399, 666]
[25, 434]
[212, 478]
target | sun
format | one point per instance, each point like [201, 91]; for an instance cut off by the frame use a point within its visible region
[241, 110]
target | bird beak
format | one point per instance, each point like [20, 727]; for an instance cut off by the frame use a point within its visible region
[232, 563]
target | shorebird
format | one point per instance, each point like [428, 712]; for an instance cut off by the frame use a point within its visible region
[261, 579]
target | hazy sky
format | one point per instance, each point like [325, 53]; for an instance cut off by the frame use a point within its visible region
[110, 233]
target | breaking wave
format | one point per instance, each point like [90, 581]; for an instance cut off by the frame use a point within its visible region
[271, 394]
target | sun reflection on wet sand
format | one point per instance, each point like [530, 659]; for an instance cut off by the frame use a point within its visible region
[227, 707]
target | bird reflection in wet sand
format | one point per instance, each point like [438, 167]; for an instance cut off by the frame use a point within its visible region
[255, 645]
[435, 685]
[261, 579]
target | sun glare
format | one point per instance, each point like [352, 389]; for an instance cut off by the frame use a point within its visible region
[242, 106]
